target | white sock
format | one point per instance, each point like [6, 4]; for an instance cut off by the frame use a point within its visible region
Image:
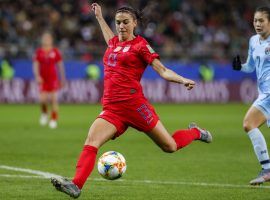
[260, 147]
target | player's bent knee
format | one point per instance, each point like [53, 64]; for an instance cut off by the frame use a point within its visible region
[169, 148]
[247, 126]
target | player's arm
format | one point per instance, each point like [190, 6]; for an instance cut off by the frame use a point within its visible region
[247, 67]
[61, 67]
[36, 72]
[170, 75]
[106, 30]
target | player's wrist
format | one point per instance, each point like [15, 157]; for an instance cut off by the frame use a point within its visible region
[100, 18]
[181, 80]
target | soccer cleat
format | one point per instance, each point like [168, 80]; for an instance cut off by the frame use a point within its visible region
[63, 185]
[263, 176]
[53, 124]
[43, 120]
[205, 135]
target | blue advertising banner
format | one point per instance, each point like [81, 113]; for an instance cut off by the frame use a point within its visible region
[78, 70]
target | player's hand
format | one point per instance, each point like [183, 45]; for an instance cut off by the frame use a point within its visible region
[236, 64]
[97, 10]
[189, 84]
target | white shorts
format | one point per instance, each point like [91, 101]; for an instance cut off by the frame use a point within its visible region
[262, 103]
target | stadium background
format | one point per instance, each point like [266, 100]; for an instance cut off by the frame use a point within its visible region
[195, 38]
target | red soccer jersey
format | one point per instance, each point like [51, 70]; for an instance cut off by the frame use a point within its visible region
[47, 63]
[124, 64]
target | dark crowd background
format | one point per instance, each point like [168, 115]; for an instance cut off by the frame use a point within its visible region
[177, 29]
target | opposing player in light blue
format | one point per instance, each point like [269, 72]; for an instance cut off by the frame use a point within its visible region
[259, 113]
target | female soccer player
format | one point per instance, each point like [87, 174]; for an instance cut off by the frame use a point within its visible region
[124, 104]
[44, 67]
[259, 112]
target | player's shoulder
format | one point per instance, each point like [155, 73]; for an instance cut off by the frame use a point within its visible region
[141, 44]
[141, 40]
[114, 40]
[38, 50]
[57, 50]
[254, 38]
[37, 53]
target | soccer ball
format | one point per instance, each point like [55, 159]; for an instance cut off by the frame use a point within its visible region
[111, 165]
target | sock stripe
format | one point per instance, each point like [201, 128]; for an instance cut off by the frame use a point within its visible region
[265, 162]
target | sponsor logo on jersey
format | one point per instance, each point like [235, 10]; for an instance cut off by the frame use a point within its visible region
[126, 49]
[117, 49]
[267, 51]
[150, 49]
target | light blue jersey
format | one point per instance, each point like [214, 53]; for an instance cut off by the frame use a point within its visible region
[259, 59]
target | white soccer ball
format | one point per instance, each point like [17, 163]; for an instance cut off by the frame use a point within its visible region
[111, 165]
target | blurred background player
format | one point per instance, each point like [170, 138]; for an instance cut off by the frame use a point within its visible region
[259, 112]
[124, 104]
[46, 60]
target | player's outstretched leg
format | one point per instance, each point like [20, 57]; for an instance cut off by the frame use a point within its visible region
[183, 138]
[205, 136]
[263, 176]
[66, 186]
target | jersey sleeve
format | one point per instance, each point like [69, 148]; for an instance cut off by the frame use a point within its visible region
[58, 55]
[35, 56]
[249, 66]
[147, 53]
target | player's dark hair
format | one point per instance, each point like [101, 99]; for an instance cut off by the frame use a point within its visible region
[136, 14]
[264, 9]
[142, 15]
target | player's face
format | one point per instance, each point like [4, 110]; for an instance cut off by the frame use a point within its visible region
[47, 40]
[261, 24]
[125, 25]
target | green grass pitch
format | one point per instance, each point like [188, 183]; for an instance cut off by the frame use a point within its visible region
[221, 170]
